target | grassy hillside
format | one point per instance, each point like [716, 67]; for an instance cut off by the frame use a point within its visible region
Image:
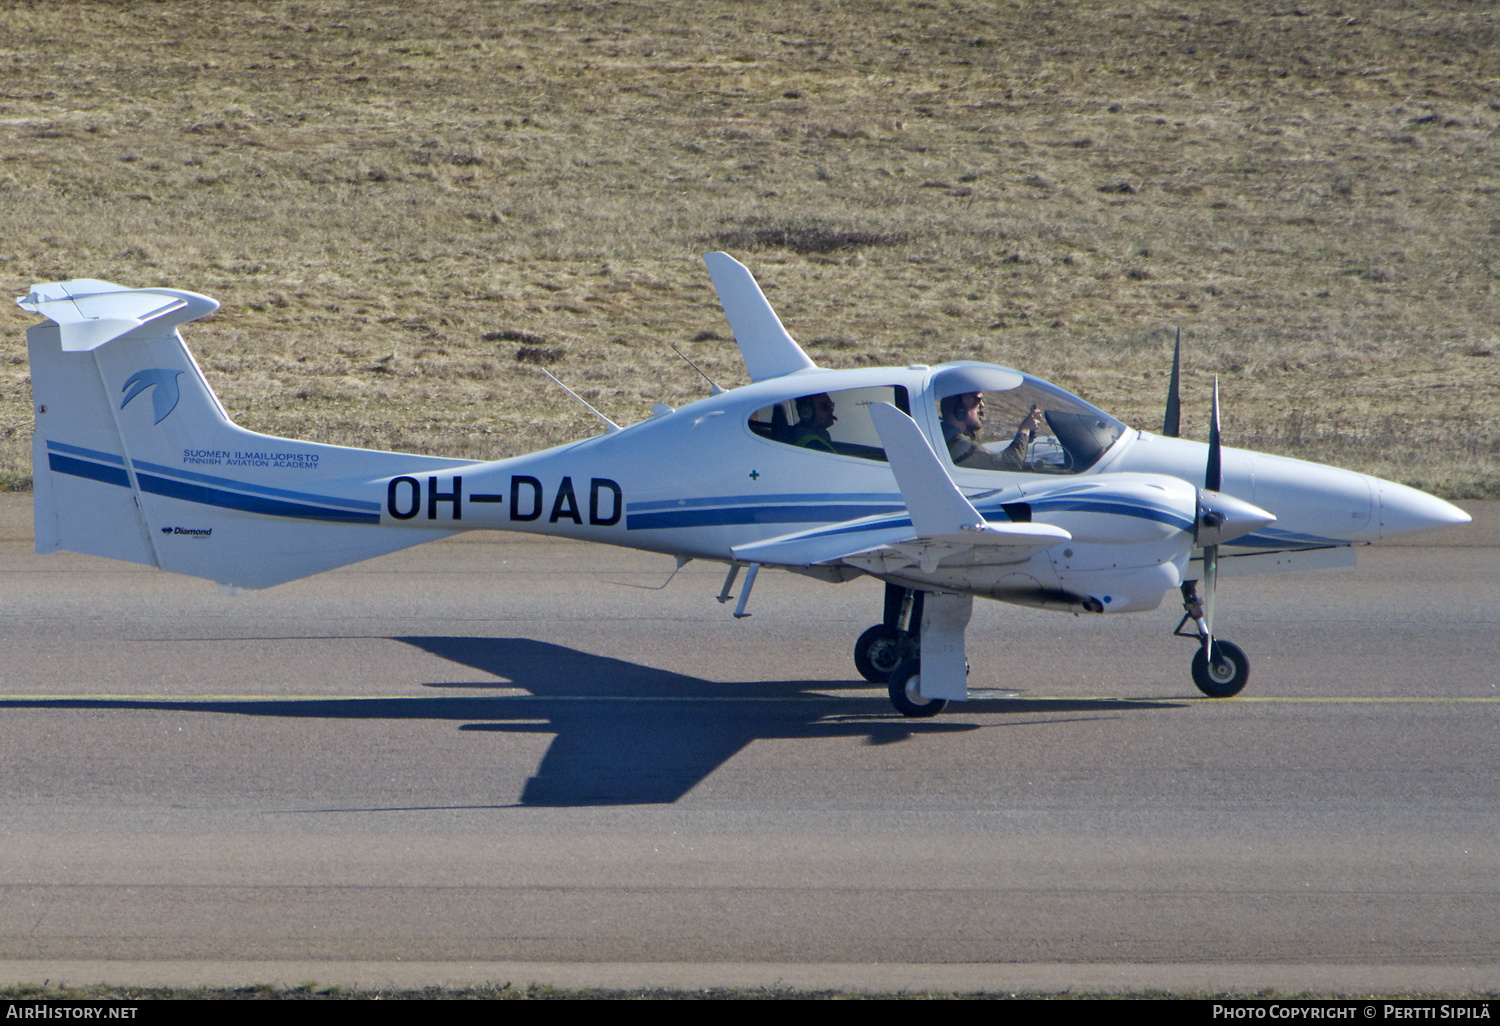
[404, 208]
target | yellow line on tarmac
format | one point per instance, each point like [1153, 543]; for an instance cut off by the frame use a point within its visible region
[1352, 699]
[410, 698]
[815, 697]
[1286, 699]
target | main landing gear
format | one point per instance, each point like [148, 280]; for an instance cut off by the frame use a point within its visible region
[890, 653]
[906, 694]
[1224, 672]
[896, 639]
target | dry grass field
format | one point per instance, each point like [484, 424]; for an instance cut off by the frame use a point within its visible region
[405, 208]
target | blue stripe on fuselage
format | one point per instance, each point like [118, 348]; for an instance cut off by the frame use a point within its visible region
[111, 471]
[60, 464]
[677, 513]
[248, 503]
[229, 482]
[748, 500]
[93, 454]
[751, 515]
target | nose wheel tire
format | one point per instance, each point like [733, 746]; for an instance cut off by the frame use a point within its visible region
[880, 650]
[906, 695]
[1226, 675]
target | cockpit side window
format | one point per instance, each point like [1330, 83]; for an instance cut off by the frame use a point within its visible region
[837, 422]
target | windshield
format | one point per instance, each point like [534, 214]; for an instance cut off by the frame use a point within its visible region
[995, 418]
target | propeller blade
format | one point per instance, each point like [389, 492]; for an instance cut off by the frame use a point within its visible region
[1210, 582]
[1172, 425]
[1214, 478]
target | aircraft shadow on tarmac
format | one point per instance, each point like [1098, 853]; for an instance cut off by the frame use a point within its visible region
[625, 733]
[629, 733]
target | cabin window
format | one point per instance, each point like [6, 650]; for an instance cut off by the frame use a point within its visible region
[836, 422]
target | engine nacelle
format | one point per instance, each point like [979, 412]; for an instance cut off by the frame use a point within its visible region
[1121, 591]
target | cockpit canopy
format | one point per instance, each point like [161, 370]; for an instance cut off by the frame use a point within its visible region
[1073, 435]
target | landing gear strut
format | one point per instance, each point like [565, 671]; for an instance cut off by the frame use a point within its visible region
[1220, 669]
[885, 646]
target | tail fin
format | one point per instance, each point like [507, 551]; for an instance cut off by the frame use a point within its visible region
[135, 459]
[768, 350]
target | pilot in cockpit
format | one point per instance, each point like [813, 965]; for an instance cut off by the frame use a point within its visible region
[815, 417]
[963, 420]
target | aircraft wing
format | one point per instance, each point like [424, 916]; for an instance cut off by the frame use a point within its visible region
[868, 536]
[1274, 561]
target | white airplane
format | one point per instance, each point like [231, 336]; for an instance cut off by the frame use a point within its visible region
[835, 474]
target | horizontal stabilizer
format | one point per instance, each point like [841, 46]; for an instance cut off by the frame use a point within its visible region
[768, 350]
[89, 313]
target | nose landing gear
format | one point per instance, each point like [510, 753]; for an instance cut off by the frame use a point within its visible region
[1222, 674]
[1225, 675]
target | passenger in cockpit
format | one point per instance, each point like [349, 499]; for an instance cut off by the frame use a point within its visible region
[963, 419]
[814, 418]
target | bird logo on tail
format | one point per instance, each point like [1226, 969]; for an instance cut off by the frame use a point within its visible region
[164, 399]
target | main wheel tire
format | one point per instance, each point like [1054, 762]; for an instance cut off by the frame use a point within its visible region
[905, 696]
[1228, 673]
[880, 650]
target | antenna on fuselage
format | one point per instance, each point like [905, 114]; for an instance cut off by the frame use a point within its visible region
[713, 385]
[612, 425]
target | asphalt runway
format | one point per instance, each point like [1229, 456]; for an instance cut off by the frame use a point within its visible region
[500, 758]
